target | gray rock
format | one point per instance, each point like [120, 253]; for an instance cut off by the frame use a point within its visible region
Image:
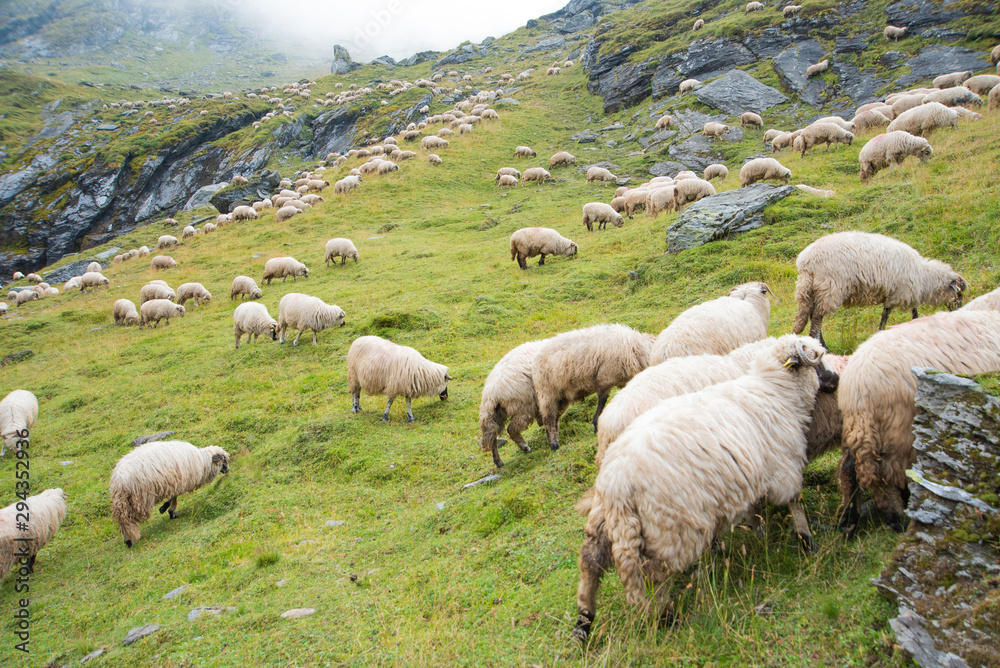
[666, 168]
[298, 612]
[850, 45]
[14, 183]
[619, 82]
[697, 152]
[174, 593]
[914, 638]
[576, 6]
[704, 59]
[933, 61]
[140, 632]
[335, 523]
[581, 21]
[68, 462]
[342, 63]
[891, 59]
[690, 122]
[944, 34]
[532, 23]
[613, 126]
[335, 131]
[483, 481]
[232, 196]
[93, 655]
[548, 44]
[417, 58]
[723, 215]
[203, 196]
[439, 506]
[149, 438]
[769, 43]
[208, 610]
[916, 14]
[107, 127]
[657, 137]
[738, 92]
[791, 63]
[463, 54]
[507, 100]
[861, 87]
[585, 137]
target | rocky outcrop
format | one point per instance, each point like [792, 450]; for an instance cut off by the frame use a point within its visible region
[945, 573]
[723, 215]
[791, 65]
[704, 59]
[738, 92]
[933, 61]
[342, 63]
[917, 14]
[258, 187]
[621, 83]
[462, 54]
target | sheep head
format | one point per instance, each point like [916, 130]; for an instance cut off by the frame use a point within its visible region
[444, 393]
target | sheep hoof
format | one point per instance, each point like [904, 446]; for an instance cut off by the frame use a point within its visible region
[164, 507]
[410, 418]
[128, 543]
[385, 418]
[582, 629]
[173, 515]
[808, 544]
[554, 445]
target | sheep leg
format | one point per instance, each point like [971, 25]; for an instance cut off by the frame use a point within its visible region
[542, 261]
[595, 559]
[31, 564]
[801, 524]
[850, 496]
[915, 314]
[172, 511]
[518, 424]
[885, 317]
[343, 261]
[602, 399]
[314, 337]
[890, 507]
[295, 342]
[356, 401]
[522, 261]
[816, 328]
[552, 430]
[388, 405]
[409, 411]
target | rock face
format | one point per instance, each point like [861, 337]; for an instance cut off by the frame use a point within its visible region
[460, 55]
[342, 63]
[723, 215]
[738, 92]
[945, 573]
[937, 60]
[916, 14]
[791, 65]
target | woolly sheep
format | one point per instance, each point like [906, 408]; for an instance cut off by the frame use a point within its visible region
[989, 301]
[539, 174]
[635, 200]
[163, 262]
[784, 140]
[818, 68]
[95, 266]
[159, 471]
[867, 120]
[751, 119]
[381, 367]
[433, 141]
[154, 310]
[507, 171]
[301, 312]
[18, 412]
[600, 174]
[285, 213]
[891, 149]
[125, 313]
[195, 291]
[716, 171]
[283, 267]
[561, 158]
[71, 284]
[713, 129]
[244, 285]
[47, 512]
[717, 327]
[509, 395]
[243, 212]
[507, 181]
[823, 133]
[659, 200]
[836, 120]
[602, 214]
[531, 241]
[576, 364]
[994, 98]
[524, 152]
[863, 269]
[763, 169]
[691, 190]
[342, 248]
[17, 276]
[790, 10]
[3, 308]
[165, 241]
[677, 474]
[346, 184]
[189, 231]
[995, 55]
[34, 278]
[956, 96]
[253, 320]
[156, 290]
[876, 398]
[25, 296]
[434, 159]
[894, 33]
[952, 79]
[93, 279]
[209, 228]
[770, 135]
[754, 7]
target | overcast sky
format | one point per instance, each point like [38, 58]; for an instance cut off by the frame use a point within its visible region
[397, 28]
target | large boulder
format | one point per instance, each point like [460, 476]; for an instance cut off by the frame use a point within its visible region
[931, 62]
[203, 196]
[738, 92]
[622, 85]
[547, 44]
[703, 59]
[916, 14]
[342, 63]
[791, 65]
[723, 215]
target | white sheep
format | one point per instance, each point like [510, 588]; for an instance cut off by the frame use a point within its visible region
[531, 241]
[600, 174]
[285, 213]
[507, 171]
[18, 412]
[507, 181]
[434, 141]
[347, 184]
[602, 214]
[301, 312]
[982, 84]
[956, 96]
[783, 140]
[867, 120]
[698, 25]
[716, 171]
[815, 191]
[790, 11]
[434, 159]
[539, 174]
[509, 395]
[189, 231]
[823, 133]
[242, 212]
[342, 248]
[208, 228]
[863, 269]
[713, 129]
[25, 296]
[561, 158]
[93, 279]
[154, 310]
[524, 152]
[253, 320]
[45, 513]
[818, 68]
[691, 190]
[753, 7]
[952, 79]
[156, 290]
[95, 266]
[751, 119]
[125, 313]
[664, 122]
[195, 291]
[159, 471]
[163, 262]
[890, 149]
[166, 241]
[763, 169]
[34, 278]
[894, 33]
[660, 199]
[994, 98]
[283, 267]
[244, 285]
[17, 276]
[381, 367]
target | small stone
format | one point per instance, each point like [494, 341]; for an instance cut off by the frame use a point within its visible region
[93, 655]
[207, 610]
[295, 613]
[149, 438]
[65, 463]
[140, 632]
[281, 583]
[354, 577]
[174, 593]
[335, 523]
[634, 275]
[256, 255]
[440, 506]
[481, 481]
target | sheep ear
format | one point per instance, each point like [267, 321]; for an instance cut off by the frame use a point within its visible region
[218, 458]
[447, 377]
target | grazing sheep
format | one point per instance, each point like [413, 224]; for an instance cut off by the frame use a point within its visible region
[864, 269]
[3, 308]
[698, 25]
[890, 149]
[539, 174]
[209, 228]
[600, 174]
[244, 285]
[524, 152]
[163, 262]
[125, 313]
[820, 133]
[694, 464]
[716, 171]
[602, 214]
[907, 102]
[18, 412]
[751, 119]
[166, 241]
[381, 367]
[283, 267]
[34, 278]
[507, 181]
[691, 190]
[818, 68]
[763, 169]
[994, 98]
[95, 267]
[658, 200]
[195, 291]
[952, 79]
[876, 398]
[433, 141]
[664, 121]
[434, 158]
[286, 213]
[301, 312]
[93, 279]
[894, 33]
[561, 158]
[156, 290]
[790, 11]
[783, 140]
[507, 171]
[21, 545]
[635, 200]
[159, 471]
[347, 184]
[253, 320]
[754, 7]
[867, 120]
[509, 394]
[155, 310]
[576, 364]
[713, 129]
[770, 135]
[717, 327]
[189, 231]
[25, 296]
[243, 212]
[342, 248]
[17, 276]
[995, 55]
[956, 96]
[531, 241]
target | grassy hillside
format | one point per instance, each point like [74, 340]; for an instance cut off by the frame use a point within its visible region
[422, 572]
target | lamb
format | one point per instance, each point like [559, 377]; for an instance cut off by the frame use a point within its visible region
[156, 290]
[751, 119]
[818, 68]
[434, 158]
[539, 174]
[698, 25]
[790, 11]
[253, 320]
[283, 267]
[600, 174]
[894, 33]
[163, 262]
[95, 266]
[691, 190]
[602, 214]
[195, 291]
[819, 133]
[717, 327]
[166, 241]
[209, 228]
[863, 269]
[125, 313]
[576, 364]
[507, 181]
[695, 476]
[159, 471]
[93, 279]
[21, 546]
[381, 367]
[763, 169]
[346, 184]
[877, 401]
[891, 149]
[301, 312]
[561, 158]
[34, 278]
[716, 171]
[342, 248]
[154, 310]
[509, 394]
[531, 241]
[18, 412]
[664, 122]
[952, 79]
[713, 129]
[507, 171]
[524, 152]
[239, 180]
[754, 7]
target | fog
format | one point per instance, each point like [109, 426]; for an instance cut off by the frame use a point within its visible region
[396, 28]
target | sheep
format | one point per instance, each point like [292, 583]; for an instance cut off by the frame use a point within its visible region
[717, 327]
[713, 129]
[784, 140]
[93, 279]
[21, 545]
[576, 364]
[159, 471]
[381, 367]
[791, 11]
[763, 169]
[600, 174]
[602, 214]
[524, 152]
[124, 312]
[507, 171]
[531, 241]
[664, 122]
[894, 33]
[995, 55]
[222, 219]
[209, 228]
[691, 190]
[3, 308]
[659, 199]
[751, 119]
[753, 7]
[156, 290]
[989, 301]
[836, 120]
[195, 291]
[433, 141]
[17, 276]
[71, 284]
[95, 266]
[507, 181]
[301, 312]
[286, 213]
[155, 310]
[163, 262]
[283, 267]
[342, 248]
[539, 174]
[994, 98]
[434, 159]
[693, 464]
[561, 158]
[770, 135]
[25, 296]
[317, 185]
[818, 68]
[716, 171]
[815, 191]
[891, 149]
[877, 401]
[820, 133]
[34, 278]
[698, 25]
[957, 96]
[635, 200]
[189, 231]
[867, 120]
[863, 269]
[387, 167]
[509, 395]
[253, 320]
[18, 412]
[347, 184]
[244, 285]
[166, 241]
[243, 212]
[952, 79]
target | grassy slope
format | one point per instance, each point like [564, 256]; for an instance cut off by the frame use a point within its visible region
[490, 578]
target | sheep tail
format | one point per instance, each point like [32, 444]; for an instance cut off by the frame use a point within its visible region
[625, 530]
[586, 504]
[862, 440]
[128, 510]
[805, 299]
[491, 420]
